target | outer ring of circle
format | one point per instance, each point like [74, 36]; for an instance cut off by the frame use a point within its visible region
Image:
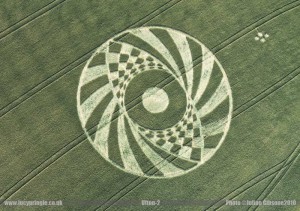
[105, 45]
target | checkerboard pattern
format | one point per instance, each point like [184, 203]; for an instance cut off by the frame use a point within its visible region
[123, 66]
[183, 139]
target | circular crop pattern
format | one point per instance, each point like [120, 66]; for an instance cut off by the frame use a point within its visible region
[154, 102]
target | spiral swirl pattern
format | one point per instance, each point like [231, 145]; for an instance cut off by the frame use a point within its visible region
[154, 102]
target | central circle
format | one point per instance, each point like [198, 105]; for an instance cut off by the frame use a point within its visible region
[160, 108]
[155, 100]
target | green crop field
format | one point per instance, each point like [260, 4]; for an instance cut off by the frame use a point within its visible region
[150, 105]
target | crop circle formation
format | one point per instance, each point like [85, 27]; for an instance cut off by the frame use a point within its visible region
[154, 102]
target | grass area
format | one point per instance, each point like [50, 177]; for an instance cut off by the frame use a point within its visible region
[12, 12]
[45, 153]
